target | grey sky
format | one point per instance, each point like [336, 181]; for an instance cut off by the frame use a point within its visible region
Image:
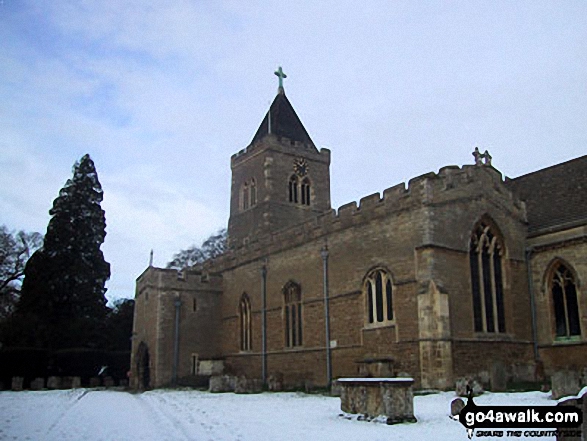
[162, 93]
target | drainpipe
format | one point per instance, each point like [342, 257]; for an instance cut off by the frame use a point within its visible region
[532, 303]
[264, 323]
[324, 254]
[177, 303]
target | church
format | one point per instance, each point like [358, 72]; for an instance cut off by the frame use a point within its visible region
[459, 273]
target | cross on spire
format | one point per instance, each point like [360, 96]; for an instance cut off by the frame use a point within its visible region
[281, 75]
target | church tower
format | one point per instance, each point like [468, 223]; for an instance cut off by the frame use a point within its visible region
[281, 179]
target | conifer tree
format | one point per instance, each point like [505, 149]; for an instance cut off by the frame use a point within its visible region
[62, 302]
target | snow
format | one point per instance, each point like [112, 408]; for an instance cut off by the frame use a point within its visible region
[92, 415]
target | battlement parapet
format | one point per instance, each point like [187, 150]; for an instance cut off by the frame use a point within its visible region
[451, 183]
[181, 280]
[284, 145]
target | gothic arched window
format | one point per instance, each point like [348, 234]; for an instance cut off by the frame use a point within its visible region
[293, 189]
[245, 323]
[245, 197]
[305, 191]
[379, 293]
[485, 259]
[292, 311]
[563, 289]
[253, 192]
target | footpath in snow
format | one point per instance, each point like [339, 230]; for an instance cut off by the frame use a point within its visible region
[91, 415]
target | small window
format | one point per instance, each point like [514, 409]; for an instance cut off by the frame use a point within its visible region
[292, 311]
[245, 197]
[293, 189]
[253, 191]
[194, 305]
[245, 323]
[379, 294]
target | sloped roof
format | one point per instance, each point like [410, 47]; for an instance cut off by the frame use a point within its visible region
[555, 196]
[284, 122]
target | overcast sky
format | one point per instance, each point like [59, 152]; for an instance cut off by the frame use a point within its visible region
[160, 94]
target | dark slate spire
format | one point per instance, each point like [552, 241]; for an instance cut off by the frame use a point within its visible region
[281, 120]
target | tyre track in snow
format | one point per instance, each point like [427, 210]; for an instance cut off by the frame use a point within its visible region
[79, 394]
[169, 426]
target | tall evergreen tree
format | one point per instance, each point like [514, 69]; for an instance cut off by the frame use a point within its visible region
[62, 302]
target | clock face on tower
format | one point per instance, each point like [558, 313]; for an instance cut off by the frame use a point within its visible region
[300, 166]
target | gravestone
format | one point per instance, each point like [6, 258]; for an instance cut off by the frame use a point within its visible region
[108, 382]
[38, 384]
[248, 386]
[565, 383]
[95, 382]
[76, 382]
[456, 406]
[574, 434]
[275, 382]
[498, 377]
[389, 397]
[53, 383]
[461, 387]
[222, 383]
[17, 383]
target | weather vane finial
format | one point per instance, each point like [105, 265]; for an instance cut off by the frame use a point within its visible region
[281, 75]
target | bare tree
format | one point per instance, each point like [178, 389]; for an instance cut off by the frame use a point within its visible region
[212, 247]
[15, 250]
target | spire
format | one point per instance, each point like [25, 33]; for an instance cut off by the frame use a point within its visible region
[281, 120]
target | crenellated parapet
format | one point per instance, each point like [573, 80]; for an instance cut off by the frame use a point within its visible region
[283, 145]
[450, 184]
[171, 280]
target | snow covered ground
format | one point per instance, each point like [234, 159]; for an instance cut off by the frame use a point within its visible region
[92, 415]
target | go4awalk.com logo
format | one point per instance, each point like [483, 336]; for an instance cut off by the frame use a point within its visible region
[506, 421]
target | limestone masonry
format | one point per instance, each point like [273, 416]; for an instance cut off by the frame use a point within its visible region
[459, 274]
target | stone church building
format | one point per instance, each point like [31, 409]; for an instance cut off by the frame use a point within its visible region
[455, 274]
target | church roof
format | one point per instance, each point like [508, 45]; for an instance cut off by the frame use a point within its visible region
[555, 196]
[281, 120]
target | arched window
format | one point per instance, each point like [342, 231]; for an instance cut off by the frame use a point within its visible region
[253, 192]
[485, 259]
[292, 312]
[379, 293]
[245, 197]
[305, 191]
[245, 323]
[293, 189]
[563, 288]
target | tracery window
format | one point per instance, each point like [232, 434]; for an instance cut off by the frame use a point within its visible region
[305, 190]
[292, 311]
[486, 264]
[563, 290]
[245, 323]
[379, 293]
[293, 189]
